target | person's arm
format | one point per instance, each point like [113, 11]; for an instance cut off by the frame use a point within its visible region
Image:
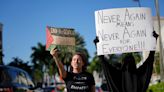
[151, 54]
[62, 71]
[145, 70]
[112, 74]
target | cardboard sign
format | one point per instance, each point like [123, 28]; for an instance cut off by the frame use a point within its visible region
[123, 30]
[60, 38]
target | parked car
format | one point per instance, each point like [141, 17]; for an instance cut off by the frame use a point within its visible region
[14, 79]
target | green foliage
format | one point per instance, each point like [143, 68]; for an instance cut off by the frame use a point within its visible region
[37, 75]
[156, 88]
[80, 44]
[17, 62]
[40, 58]
[95, 65]
[157, 64]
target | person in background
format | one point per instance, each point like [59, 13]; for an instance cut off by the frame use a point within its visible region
[128, 78]
[77, 80]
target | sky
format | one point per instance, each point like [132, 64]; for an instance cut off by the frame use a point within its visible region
[24, 21]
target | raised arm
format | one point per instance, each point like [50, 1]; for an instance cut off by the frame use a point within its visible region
[151, 54]
[62, 71]
[145, 70]
[150, 58]
[112, 74]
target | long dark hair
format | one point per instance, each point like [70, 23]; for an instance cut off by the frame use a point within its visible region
[84, 59]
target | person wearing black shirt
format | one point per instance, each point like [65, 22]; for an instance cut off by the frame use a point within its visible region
[77, 80]
[128, 78]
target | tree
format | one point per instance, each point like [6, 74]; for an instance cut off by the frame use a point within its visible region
[40, 57]
[17, 62]
[1, 57]
[157, 64]
[95, 65]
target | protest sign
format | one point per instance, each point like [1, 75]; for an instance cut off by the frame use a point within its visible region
[61, 38]
[123, 30]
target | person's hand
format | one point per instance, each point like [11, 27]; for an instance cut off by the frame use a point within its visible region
[54, 52]
[96, 40]
[155, 35]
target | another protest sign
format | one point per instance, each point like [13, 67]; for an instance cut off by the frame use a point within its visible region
[61, 38]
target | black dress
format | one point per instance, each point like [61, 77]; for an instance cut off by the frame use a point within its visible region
[128, 78]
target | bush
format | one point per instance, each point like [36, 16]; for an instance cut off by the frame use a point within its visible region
[156, 88]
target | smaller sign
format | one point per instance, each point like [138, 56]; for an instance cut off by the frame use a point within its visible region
[60, 38]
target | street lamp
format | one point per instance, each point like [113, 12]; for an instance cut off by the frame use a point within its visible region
[1, 51]
[160, 41]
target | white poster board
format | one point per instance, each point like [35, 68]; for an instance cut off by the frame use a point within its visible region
[123, 30]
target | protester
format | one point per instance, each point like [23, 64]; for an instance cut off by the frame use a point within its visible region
[77, 80]
[128, 78]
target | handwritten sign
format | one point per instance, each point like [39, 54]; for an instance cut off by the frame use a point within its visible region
[61, 38]
[123, 30]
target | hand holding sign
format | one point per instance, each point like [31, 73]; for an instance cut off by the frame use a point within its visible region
[54, 52]
[155, 35]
